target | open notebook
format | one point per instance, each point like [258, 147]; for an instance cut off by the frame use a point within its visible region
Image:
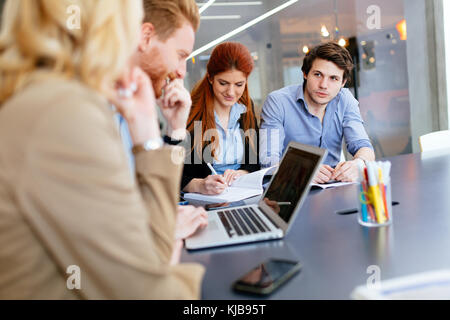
[244, 187]
[434, 285]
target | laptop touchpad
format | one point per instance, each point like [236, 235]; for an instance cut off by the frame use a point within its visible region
[212, 225]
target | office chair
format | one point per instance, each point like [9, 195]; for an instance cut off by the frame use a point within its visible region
[437, 140]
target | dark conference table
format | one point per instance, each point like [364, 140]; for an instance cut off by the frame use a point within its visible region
[336, 250]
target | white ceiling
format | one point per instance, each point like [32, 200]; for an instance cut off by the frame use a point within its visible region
[299, 22]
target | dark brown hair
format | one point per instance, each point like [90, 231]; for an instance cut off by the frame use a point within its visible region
[169, 15]
[332, 52]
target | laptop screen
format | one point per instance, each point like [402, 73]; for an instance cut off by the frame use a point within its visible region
[290, 181]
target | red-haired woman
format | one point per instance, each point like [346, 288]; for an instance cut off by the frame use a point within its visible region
[222, 123]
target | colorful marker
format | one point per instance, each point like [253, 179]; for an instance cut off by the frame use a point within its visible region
[375, 193]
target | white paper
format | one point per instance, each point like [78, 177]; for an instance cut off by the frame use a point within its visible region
[331, 185]
[246, 186]
[433, 285]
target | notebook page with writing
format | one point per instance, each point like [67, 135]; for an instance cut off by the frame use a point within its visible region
[246, 186]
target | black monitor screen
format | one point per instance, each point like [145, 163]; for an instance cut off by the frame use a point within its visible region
[290, 182]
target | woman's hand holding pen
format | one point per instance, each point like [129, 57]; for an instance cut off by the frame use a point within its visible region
[213, 184]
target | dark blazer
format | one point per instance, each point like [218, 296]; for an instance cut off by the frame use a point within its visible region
[201, 170]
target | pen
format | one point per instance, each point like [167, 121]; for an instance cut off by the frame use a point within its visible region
[211, 168]
[284, 203]
[213, 171]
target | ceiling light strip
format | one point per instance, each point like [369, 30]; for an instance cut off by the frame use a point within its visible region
[229, 4]
[228, 17]
[205, 6]
[242, 28]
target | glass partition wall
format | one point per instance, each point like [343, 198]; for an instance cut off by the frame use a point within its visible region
[373, 31]
[280, 32]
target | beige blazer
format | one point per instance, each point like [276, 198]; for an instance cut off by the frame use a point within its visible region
[67, 198]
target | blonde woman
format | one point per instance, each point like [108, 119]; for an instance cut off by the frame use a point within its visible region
[73, 223]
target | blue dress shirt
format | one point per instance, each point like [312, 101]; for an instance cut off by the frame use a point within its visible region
[126, 139]
[231, 146]
[285, 117]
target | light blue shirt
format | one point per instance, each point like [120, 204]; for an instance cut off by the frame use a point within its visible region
[126, 139]
[285, 117]
[231, 145]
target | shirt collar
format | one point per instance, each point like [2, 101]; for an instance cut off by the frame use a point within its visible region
[300, 93]
[237, 110]
[240, 108]
[301, 97]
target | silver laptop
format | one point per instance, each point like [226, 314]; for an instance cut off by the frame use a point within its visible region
[274, 214]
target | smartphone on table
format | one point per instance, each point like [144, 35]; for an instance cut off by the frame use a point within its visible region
[267, 276]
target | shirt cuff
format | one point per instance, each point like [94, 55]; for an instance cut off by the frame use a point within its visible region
[354, 146]
[168, 140]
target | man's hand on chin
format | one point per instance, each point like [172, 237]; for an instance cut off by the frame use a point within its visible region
[175, 106]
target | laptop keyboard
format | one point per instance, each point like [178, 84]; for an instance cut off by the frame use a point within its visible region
[242, 222]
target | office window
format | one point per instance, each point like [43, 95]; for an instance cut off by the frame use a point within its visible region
[374, 31]
[446, 15]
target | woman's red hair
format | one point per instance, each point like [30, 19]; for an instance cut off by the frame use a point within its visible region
[226, 56]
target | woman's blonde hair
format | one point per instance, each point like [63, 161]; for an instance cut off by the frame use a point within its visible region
[91, 40]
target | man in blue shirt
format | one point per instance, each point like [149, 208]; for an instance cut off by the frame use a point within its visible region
[321, 112]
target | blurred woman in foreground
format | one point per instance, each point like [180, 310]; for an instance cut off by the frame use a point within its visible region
[68, 205]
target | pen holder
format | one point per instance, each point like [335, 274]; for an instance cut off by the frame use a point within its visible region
[375, 204]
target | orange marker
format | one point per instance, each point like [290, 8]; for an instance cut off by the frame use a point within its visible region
[369, 206]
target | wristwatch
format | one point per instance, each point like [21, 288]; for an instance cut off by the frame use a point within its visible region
[150, 144]
[171, 141]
